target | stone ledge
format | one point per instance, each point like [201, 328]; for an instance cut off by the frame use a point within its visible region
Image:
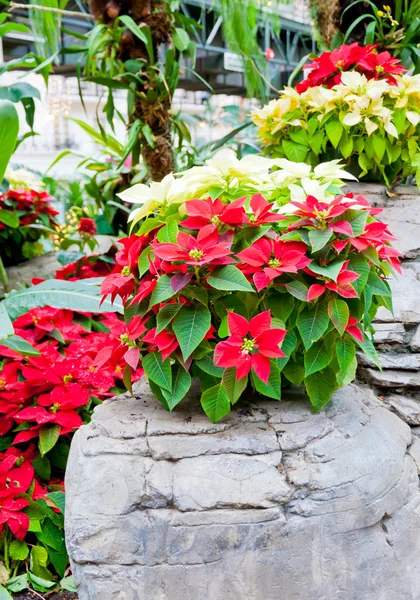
[171, 506]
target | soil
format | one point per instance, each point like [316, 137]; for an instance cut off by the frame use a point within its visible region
[62, 595]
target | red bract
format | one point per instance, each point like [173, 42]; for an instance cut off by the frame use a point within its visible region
[87, 226]
[204, 249]
[374, 234]
[215, 213]
[250, 345]
[342, 286]
[353, 328]
[10, 514]
[326, 69]
[275, 258]
[261, 212]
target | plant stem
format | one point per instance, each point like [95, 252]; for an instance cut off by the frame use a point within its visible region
[58, 11]
[6, 550]
[3, 277]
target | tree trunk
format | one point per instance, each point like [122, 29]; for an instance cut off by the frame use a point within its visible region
[155, 114]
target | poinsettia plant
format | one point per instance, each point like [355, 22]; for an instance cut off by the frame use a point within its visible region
[26, 215]
[356, 105]
[238, 296]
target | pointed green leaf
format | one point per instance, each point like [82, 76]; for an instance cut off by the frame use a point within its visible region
[294, 373]
[18, 344]
[9, 218]
[319, 237]
[369, 349]
[288, 345]
[271, 389]
[163, 291]
[165, 316]
[230, 279]
[48, 436]
[331, 270]
[378, 286]
[233, 387]
[9, 130]
[6, 326]
[317, 358]
[334, 131]
[312, 324]
[190, 327]
[281, 305]
[294, 152]
[320, 386]
[298, 289]
[143, 262]
[181, 383]
[359, 265]
[207, 365]
[157, 370]
[346, 356]
[168, 234]
[215, 402]
[339, 314]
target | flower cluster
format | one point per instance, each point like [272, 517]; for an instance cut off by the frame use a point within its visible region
[372, 124]
[44, 398]
[25, 217]
[279, 180]
[237, 294]
[327, 69]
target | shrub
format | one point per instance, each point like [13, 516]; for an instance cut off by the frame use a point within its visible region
[239, 296]
[44, 397]
[25, 217]
[372, 124]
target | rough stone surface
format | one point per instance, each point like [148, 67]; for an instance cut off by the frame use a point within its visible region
[389, 333]
[393, 360]
[406, 298]
[408, 409]
[392, 378]
[273, 503]
[415, 340]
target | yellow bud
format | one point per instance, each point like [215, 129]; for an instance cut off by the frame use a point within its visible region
[381, 13]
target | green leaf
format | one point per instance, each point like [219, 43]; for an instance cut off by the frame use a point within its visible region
[359, 265]
[8, 217]
[281, 305]
[369, 349]
[9, 131]
[82, 296]
[234, 388]
[59, 499]
[334, 131]
[168, 234]
[229, 278]
[42, 467]
[215, 402]
[346, 354]
[181, 39]
[17, 584]
[207, 365]
[271, 389]
[317, 358]
[18, 344]
[6, 326]
[298, 289]
[48, 436]
[288, 345]
[143, 262]
[18, 550]
[294, 152]
[158, 371]
[379, 146]
[378, 286]
[331, 270]
[149, 225]
[190, 327]
[43, 583]
[142, 33]
[346, 145]
[4, 594]
[163, 291]
[165, 316]
[67, 583]
[319, 237]
[312, 324]
[51, 535]
[357, 220]
[294, 373]
[339, 314]
[181, 383]
[320, 386]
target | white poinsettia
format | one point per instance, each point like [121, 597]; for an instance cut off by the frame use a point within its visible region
[153, 196]
[332, 170]
[226, 171]
[22, 179]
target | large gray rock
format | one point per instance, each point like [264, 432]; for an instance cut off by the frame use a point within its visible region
[273, 503]
[406, 298]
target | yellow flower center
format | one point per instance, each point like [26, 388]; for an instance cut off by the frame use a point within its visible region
[55, 407]
[2, 384]
[196, 254]
[274, 263]
[67, 378]
[247, 345]
[125, 338]
[118, 369]
[126, 271]
[215, 220]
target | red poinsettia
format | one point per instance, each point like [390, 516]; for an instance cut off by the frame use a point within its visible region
[250, 345]
[353, 328]
[342, 286]
[271, 258]
[214, 212]
[261, 212]
[204, 249]
[11, 514]
[327, 68]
